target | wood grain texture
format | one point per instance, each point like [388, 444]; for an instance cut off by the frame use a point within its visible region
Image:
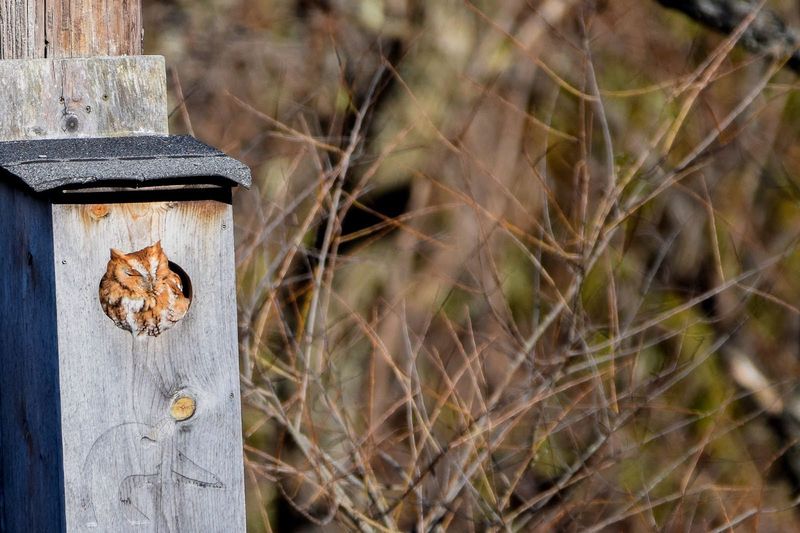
[31, 480]
[82, 28]
[129, 465]
[69, 28]
[20, 35]
[96, 97]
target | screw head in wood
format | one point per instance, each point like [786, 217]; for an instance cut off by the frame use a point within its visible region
[182, 408]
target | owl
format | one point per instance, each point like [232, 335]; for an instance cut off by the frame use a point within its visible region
[140, 292]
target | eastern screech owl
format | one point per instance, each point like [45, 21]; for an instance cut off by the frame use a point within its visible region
[140, 293]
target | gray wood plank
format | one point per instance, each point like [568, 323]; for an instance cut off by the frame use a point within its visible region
[82, 97]
[31, 480]
[128, 464]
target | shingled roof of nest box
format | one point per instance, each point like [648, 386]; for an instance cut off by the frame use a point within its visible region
[144, 161]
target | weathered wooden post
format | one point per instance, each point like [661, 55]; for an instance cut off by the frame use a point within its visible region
[119, 404]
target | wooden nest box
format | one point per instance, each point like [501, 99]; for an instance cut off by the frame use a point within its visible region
[119, 389]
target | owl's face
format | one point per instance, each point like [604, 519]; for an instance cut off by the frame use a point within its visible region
[137, 271]
[140, 292]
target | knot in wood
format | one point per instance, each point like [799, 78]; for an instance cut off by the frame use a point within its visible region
[183, 407]
[71, 123]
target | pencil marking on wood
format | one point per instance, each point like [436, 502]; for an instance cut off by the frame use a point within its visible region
[155, 465]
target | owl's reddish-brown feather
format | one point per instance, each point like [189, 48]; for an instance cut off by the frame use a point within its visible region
[140, 292]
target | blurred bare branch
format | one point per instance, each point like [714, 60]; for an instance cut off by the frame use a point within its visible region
[768, 34]
[526, 265]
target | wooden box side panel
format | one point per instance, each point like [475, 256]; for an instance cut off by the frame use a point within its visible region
[31, 477]
[129, 464]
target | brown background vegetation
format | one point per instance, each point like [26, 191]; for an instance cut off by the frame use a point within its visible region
[506, 265]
